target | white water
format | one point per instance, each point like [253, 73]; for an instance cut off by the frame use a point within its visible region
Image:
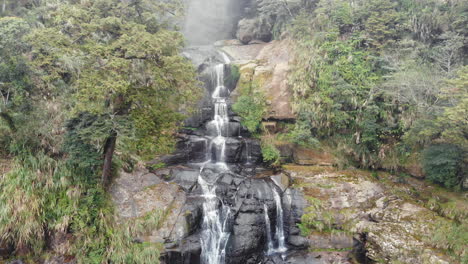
[279, 230]
[215, 233]
[271, 247]
[279, 235]
[221, 116]
[248, 152]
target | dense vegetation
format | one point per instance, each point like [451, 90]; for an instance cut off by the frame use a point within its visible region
[93, 86]
[87, 87]
[383, 82]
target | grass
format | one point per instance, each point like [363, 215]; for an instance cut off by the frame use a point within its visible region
[42, 196]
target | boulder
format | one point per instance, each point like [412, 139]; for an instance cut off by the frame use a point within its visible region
[266, 66]
[138, 194]
[249, 29]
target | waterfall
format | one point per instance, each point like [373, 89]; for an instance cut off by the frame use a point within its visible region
[279, 230]
[220, 122]
[279, 235]
[215, 233]
[270, 246]
[248, 152]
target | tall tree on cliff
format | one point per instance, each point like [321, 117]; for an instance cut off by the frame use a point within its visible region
[119, 62]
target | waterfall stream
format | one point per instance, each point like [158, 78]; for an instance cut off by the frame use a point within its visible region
[279, 235]
[215, 228]
[270, 246]
[215, 232]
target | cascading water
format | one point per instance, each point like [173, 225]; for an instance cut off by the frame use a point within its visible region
[215, 232]
[270, 246]
[279, 230]
[279, 235]
[220, 122]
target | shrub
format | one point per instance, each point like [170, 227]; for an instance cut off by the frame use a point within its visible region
[250, 106]
[270, 153]
[442, 164]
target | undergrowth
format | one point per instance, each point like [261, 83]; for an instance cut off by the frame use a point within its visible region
[42, 197]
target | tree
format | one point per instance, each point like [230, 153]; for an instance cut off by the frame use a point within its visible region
[122, 66]
[380, 21]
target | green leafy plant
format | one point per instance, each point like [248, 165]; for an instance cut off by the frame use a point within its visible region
[251, 107]
[442, 164]
[316, 218]
[270, 153]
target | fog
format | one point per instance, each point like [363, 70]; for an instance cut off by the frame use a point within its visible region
[207, 21]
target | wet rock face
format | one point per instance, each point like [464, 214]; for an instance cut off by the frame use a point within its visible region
[246, 197]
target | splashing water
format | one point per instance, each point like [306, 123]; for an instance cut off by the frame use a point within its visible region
[215, 233]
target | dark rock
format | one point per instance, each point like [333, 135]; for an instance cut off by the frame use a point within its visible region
[233, 150]
[294, 204]
[185, 178]
[187, 253]
[232, 129]
[298, 241]
[250, 29]
[193, 216]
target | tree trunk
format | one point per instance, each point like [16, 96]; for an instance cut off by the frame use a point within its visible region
[4, 6]
[109, 148]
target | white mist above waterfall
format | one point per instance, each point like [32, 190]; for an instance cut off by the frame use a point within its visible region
[207, 21]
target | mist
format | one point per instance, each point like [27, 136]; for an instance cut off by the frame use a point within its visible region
[207, 21]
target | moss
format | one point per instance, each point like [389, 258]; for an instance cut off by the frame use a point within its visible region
[310, 170]
[330, 249]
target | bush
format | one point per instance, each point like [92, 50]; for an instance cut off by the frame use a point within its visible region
[442, 164]
[41, 196]
[270, 153]
[250, 106]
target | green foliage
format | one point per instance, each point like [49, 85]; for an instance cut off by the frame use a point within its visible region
[71, 74]
[442, 164]
[41, 195]
[315, 218]
[234, 75]
[123, 67]
[301, 135]
[15, 83]
[270, 153]
[452, 237]
[381, 19]
[369, 73]
[251, 107]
